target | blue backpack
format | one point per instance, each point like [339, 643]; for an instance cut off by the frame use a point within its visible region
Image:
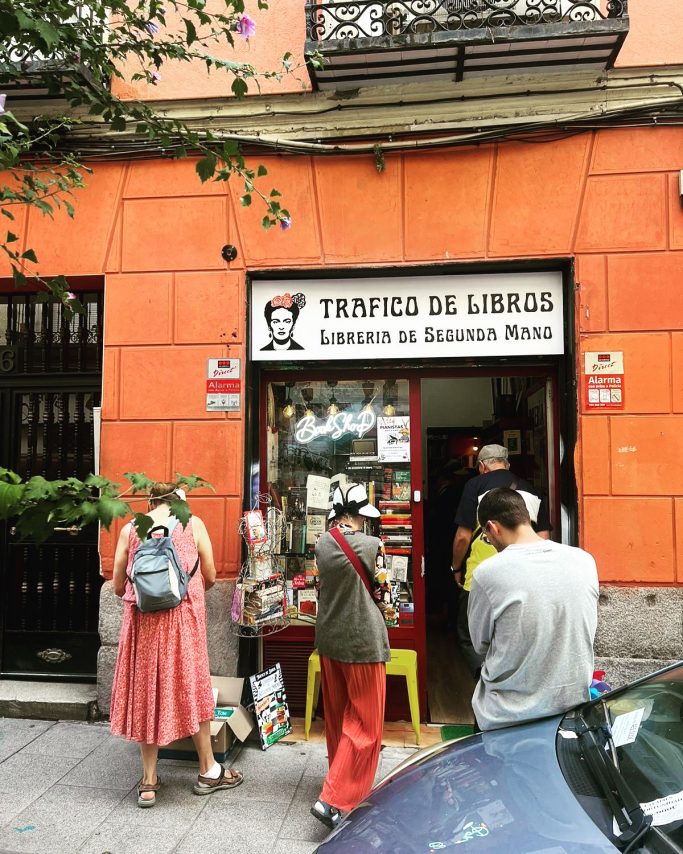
[157, 575]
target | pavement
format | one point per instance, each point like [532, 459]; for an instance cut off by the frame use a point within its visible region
[68, 787]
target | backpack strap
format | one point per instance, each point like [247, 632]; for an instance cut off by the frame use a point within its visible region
[354, 560]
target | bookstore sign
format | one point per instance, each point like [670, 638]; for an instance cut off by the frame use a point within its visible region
[399, 317]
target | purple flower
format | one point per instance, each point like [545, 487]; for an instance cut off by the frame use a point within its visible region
[152, 28]
[70, 296]
[3, 98]
[286, 223]
[156, 77]
[246, 27]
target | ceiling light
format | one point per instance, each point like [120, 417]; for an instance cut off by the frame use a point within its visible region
[333, 409]
[389, 409]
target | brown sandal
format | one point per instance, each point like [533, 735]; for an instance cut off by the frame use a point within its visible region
[148, 787]
[206, 785]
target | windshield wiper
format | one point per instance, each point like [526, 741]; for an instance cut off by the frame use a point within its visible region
[633, 823]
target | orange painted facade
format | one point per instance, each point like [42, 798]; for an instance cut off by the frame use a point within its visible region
[608, 199]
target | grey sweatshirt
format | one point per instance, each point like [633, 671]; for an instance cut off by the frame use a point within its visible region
[350, 627]
[533, 613]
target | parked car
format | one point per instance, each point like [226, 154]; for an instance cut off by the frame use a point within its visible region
[605, 777]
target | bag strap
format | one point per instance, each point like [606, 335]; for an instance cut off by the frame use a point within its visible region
[343, 544]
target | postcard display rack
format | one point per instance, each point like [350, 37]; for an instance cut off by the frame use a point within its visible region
[311, 452]
[259, 605]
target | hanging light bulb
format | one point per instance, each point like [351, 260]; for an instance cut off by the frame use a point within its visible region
[288, 409]
[367, 406]
[333, 409]
[309, 413]
[389, 409]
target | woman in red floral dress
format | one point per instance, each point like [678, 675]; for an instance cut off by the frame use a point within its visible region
[162, 686]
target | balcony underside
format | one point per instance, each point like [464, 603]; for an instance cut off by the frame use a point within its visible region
[440, 56]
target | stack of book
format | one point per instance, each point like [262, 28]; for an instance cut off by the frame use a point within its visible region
[396, 527]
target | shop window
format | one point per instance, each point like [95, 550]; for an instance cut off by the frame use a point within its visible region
[324, 434]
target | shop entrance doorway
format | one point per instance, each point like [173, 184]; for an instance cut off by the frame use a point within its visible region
[459, 415]
[421, 430]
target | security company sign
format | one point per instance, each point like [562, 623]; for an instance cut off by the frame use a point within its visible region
[400, 317]
[223, 385]
[603, 380]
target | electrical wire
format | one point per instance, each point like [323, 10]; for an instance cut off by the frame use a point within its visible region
[539, 131]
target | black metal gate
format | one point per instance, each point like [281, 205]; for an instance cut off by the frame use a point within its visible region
[50, 383]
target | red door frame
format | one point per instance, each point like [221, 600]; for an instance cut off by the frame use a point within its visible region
[416, 636]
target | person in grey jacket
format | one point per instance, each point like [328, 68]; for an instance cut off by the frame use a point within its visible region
[533, 612]
[352, 641]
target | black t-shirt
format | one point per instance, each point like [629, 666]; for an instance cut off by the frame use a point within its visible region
[466, 514]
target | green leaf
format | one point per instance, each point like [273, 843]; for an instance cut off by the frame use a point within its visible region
[47, 32]
[30, 255]
[190, 30]
[139, 480]
[245, 200]
[181, 510]
[239, 87]
[142, 524]
[109, 509]
[11, 495]
[11, 238]
[261, 171]
[206, 167]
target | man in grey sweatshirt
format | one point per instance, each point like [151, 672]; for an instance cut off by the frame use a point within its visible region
[533, 614]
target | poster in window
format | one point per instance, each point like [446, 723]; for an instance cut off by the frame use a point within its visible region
[393, 439]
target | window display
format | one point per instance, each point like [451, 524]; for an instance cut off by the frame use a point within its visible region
[322, 434]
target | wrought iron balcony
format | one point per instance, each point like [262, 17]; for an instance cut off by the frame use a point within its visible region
[366, 42]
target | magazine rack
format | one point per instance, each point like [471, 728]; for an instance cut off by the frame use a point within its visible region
[259, 605]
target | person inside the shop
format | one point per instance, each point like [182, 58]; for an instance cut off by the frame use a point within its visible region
[533, 612]
[282, 313]
[469, 549]
[352, 641]
[162, 687]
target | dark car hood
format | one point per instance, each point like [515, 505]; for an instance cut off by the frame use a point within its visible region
[499, 791]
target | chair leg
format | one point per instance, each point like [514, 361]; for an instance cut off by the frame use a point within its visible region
[414, 702]
[310, 693]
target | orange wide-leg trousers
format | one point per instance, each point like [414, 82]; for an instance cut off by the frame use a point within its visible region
[353, 695]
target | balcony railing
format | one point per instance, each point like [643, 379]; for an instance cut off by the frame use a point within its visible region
[518, 32]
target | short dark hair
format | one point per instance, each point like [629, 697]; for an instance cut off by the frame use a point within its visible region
[505, 506]
[162, 492]
[269, 310]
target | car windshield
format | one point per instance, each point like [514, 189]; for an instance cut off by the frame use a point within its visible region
[646, 725]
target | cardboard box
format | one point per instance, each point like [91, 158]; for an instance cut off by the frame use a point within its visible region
[231, 721]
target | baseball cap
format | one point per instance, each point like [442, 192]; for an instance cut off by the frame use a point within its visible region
[492, 452]
[352, 500]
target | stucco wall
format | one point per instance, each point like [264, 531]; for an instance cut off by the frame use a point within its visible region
[610, 199]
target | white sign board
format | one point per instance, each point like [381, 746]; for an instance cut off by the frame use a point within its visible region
[223, 385]
[399, 317]
[393, 439]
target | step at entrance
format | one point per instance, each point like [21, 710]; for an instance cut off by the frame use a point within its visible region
[48, 701]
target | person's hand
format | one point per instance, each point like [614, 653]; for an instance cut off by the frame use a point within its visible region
[457, 575]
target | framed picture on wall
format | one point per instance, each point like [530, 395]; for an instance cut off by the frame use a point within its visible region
[512, 439]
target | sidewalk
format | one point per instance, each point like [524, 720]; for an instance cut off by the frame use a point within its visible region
[69, 787]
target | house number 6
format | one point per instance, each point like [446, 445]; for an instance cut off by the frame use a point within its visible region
[7, 360]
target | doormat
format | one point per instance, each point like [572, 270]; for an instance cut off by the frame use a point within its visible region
[456, 731]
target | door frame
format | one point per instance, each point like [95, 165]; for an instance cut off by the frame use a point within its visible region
[562, 368]
[414, 375]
